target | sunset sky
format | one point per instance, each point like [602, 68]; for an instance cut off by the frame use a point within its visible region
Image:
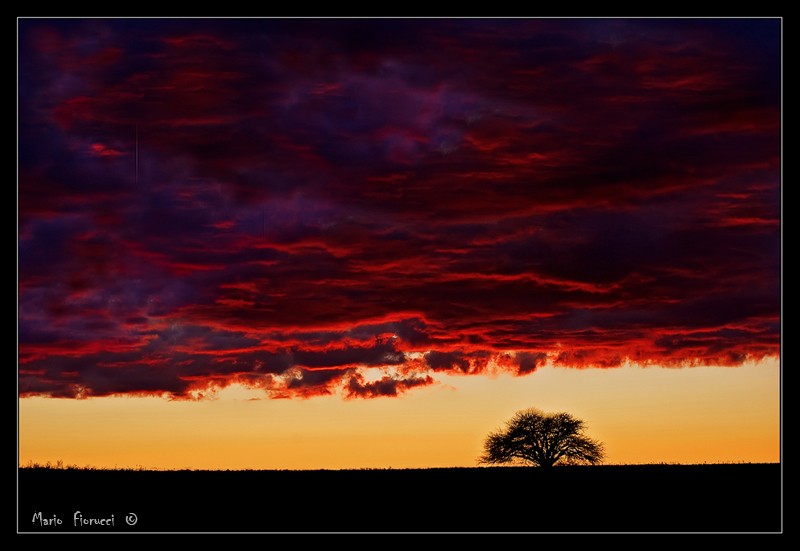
[282, 243]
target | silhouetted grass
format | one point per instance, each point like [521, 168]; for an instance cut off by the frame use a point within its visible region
[608, 498]
[60, 465]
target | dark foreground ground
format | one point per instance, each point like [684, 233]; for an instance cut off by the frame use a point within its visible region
[648, 498]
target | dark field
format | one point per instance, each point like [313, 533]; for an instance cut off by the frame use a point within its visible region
[647, 498]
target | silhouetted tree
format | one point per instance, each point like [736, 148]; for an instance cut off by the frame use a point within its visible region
[544, 439]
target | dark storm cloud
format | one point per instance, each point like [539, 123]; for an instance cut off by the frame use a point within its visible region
[456, 361]
[386, 386]
[380, 354]
[529, 362]
[288, 203]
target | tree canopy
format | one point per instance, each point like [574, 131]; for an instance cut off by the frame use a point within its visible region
[534, 437]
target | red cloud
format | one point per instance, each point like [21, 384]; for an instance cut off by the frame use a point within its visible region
[100, 150]
[305, 206]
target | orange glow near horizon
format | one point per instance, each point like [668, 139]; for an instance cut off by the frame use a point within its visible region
[643, 415]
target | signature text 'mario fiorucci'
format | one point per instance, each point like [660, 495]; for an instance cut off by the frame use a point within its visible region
[78, 520]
